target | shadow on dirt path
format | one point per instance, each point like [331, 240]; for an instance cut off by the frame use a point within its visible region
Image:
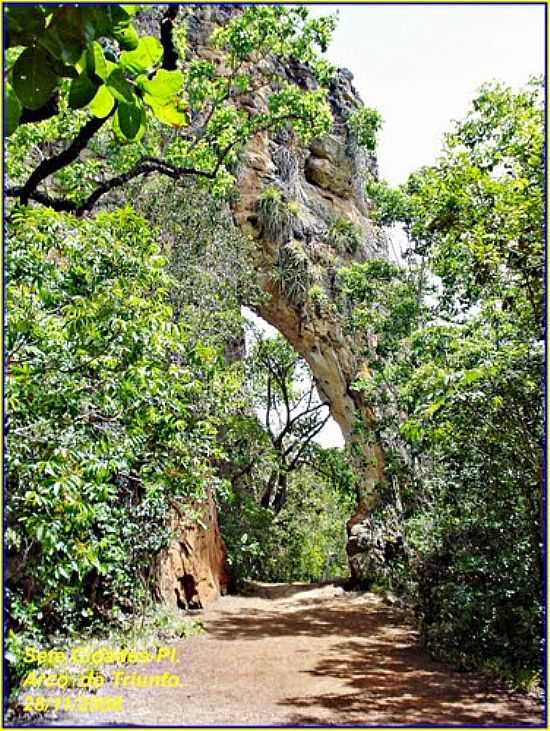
[312, 654]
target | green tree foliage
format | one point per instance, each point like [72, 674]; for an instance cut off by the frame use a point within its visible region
[479, 211]
[306, 539]
[124, 389]
[456, 380]
[208, 257]
[111, 416]
[186, 116]
[364, 124]
[57, 43]
[284, 518]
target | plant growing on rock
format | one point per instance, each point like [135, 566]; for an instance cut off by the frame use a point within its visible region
[286, 161]
[293, 208]
[293, 272]
[364, 124]
[274, 215]
[318, 295]
[277, 216]
[344, 235]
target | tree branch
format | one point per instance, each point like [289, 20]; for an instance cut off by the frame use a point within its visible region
[308, 411]
[268, 408]
[53, 164]
[58, 204]
[284, 390]
[307, 442]
[170, 56]
[145, 166]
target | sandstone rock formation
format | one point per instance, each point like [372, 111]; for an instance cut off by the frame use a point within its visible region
[319, 187]
[324, 184]
[193, 570]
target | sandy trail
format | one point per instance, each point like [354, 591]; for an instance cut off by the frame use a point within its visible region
[297, 654]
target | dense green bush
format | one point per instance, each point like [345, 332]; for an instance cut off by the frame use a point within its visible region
[478, 602]
[110, 416]
[305, 541]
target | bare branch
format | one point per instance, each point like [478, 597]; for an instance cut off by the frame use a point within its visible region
[306, 413]
[308, 441]
[268, 409]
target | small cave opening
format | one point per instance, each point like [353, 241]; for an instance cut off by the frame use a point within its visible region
[187, 596]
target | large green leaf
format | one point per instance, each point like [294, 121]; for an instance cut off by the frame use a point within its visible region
[95, 61]
[66, 35]
[120, 15]
[13, 110]
[102, 103]
[131, 120]
[23, 24]
[34, 79]
[127, 37]
[167, 113]
[99, 18]
[119, 87]
[82, 91]
[64, 71]
[145, 57]
[163, 85]
[130, 9]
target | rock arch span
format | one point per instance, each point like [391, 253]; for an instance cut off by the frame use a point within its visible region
[324, 183]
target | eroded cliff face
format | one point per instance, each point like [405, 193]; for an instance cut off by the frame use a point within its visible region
[297, 257]
[325, 181]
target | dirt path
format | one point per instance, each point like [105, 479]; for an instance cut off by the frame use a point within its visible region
[302, 655]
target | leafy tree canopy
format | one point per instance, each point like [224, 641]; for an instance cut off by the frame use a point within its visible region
[455, 381]
[92, 58]
[113, 413]
[478, 213]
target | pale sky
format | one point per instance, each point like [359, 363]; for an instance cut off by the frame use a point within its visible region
[421, 65]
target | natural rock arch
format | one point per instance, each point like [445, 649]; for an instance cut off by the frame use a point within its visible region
[324, 183]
